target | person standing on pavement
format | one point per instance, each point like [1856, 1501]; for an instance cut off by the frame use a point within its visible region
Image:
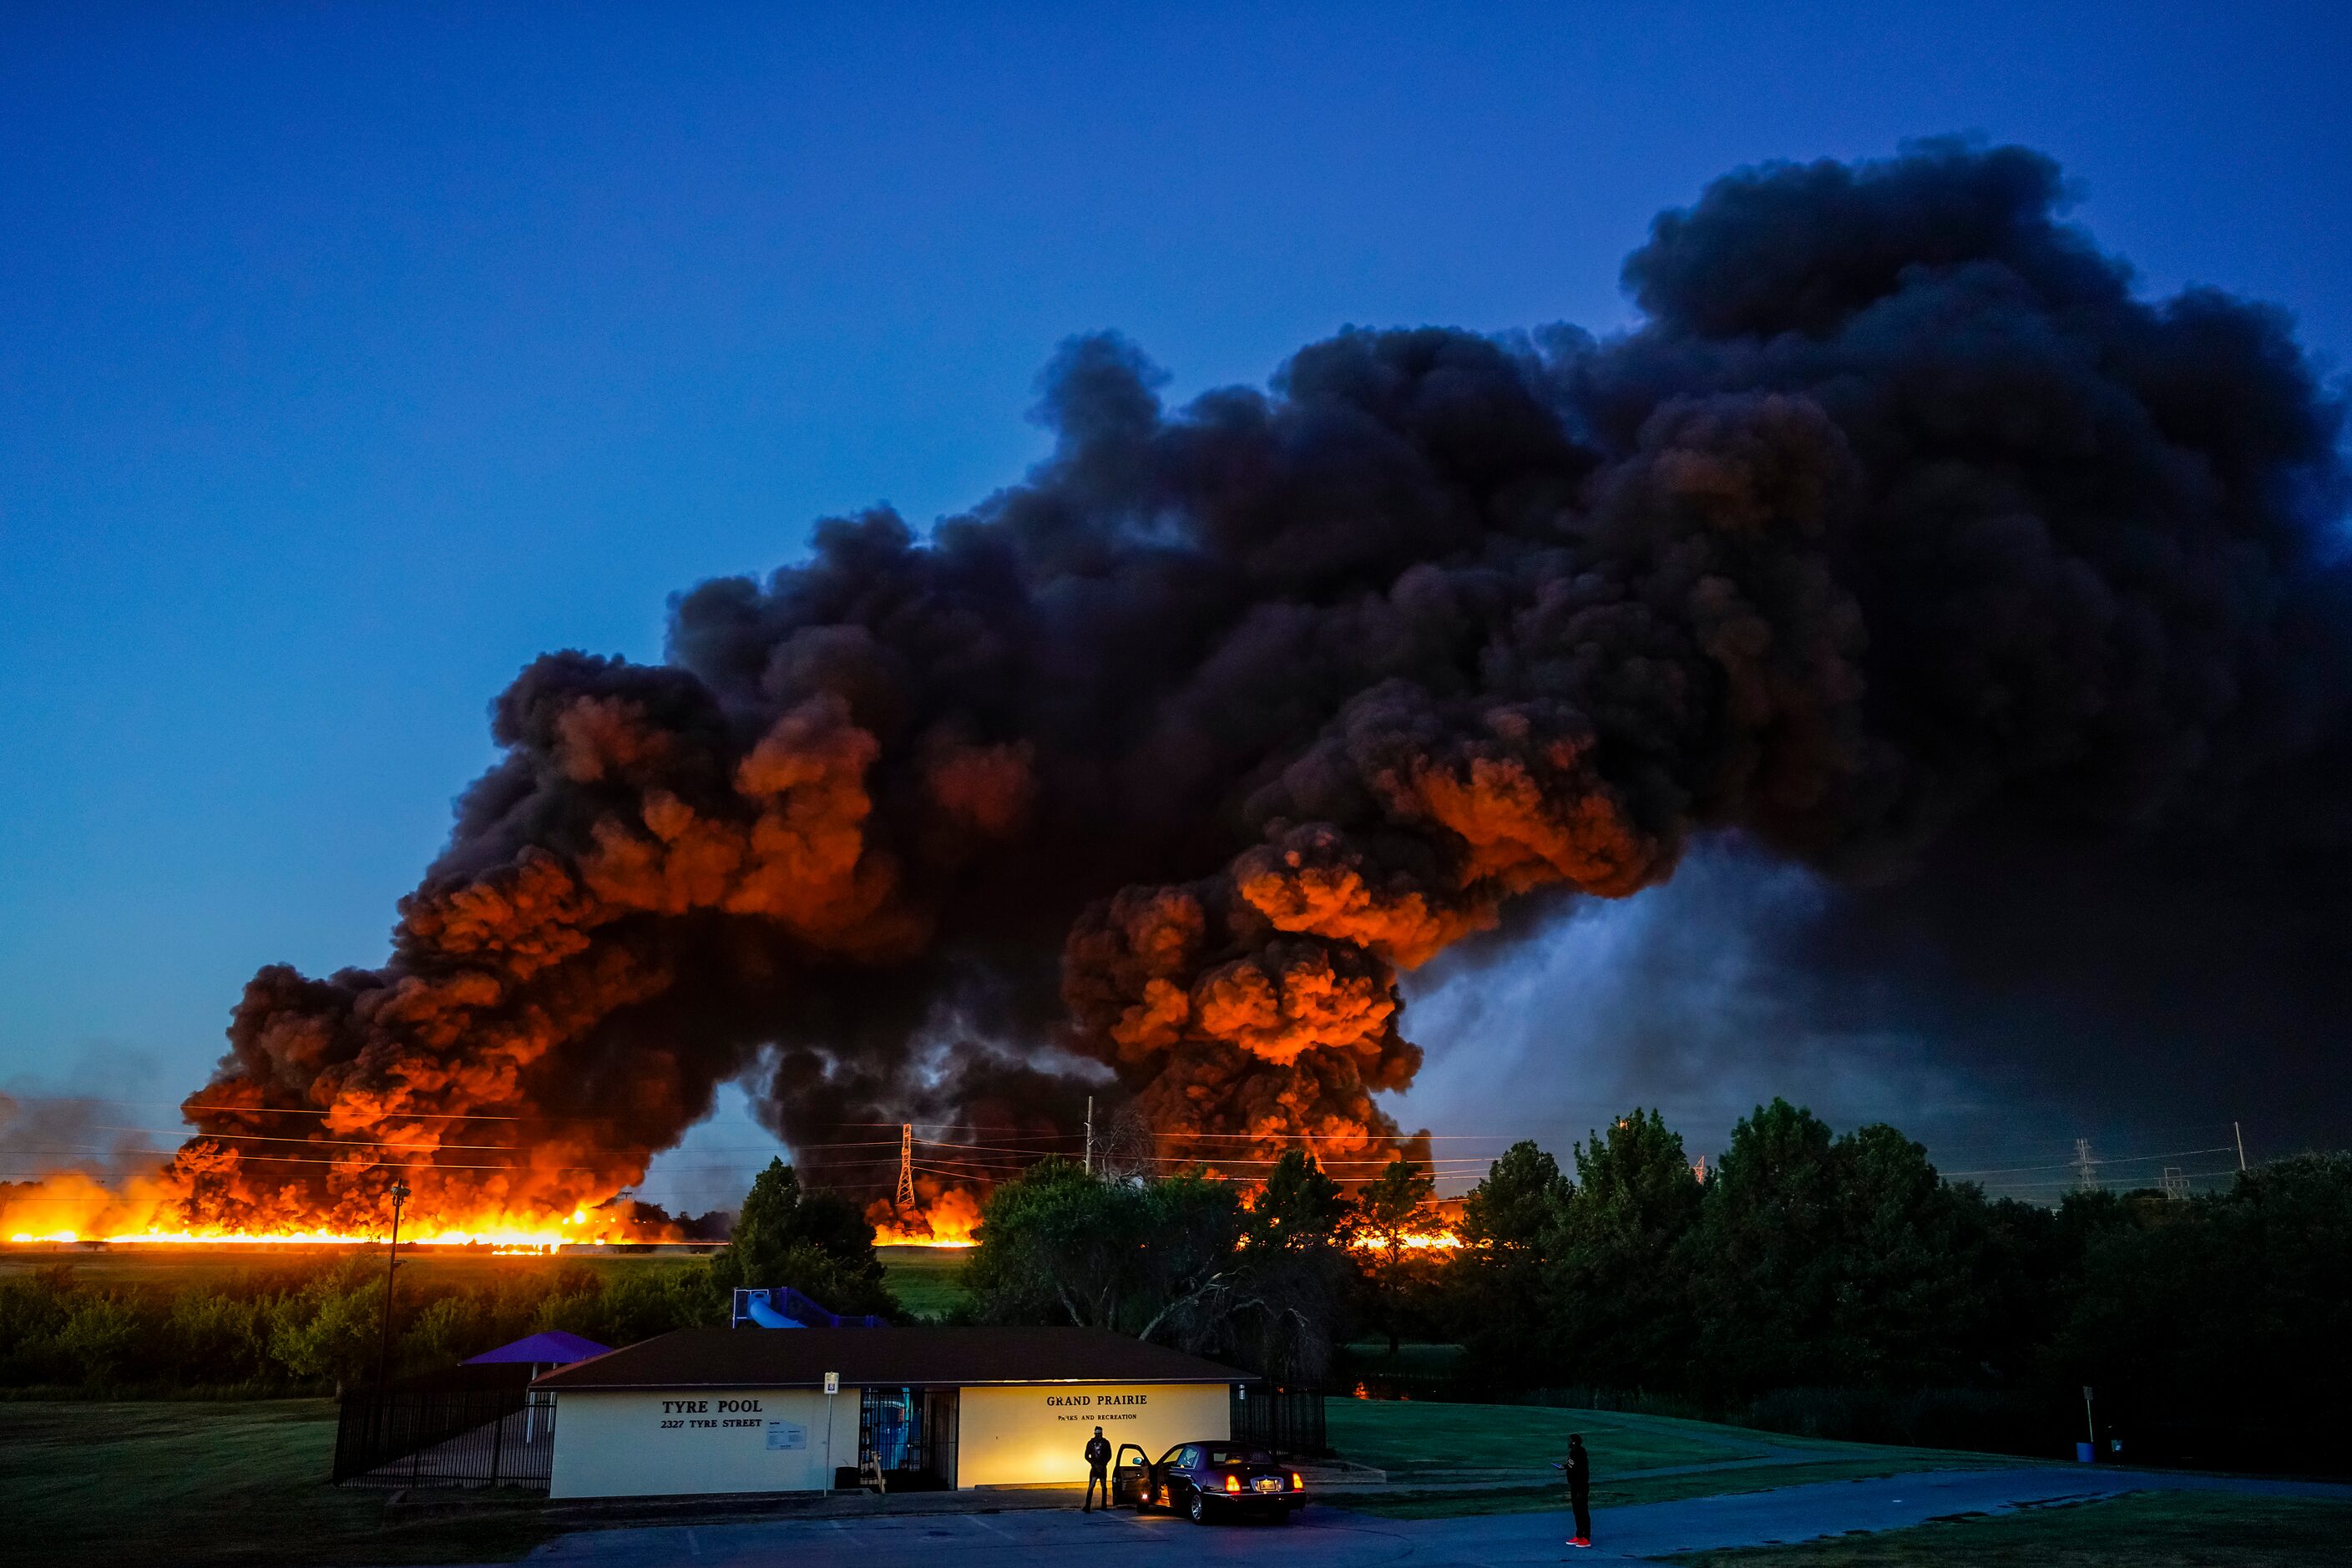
[1579, 1468]
[1097, 1471]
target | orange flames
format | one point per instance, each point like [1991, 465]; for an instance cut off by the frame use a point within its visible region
[1412, 1241]
[944, 1216]
[69, 1207]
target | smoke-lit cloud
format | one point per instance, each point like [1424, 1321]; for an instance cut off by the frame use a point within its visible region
[94, 1117]
[1683, 998]
[1901, 543]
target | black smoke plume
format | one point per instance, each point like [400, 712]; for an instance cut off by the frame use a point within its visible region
[1901, 527]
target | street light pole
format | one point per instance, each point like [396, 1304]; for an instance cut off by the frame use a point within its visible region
[391, 1262]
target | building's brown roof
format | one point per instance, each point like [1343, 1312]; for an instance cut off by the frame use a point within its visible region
[799, 1358]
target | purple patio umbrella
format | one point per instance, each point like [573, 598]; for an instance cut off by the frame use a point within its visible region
[553, 1348]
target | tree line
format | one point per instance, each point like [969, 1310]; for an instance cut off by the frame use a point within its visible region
[313, 1326]
[1813, 1281]
[1816, 1283]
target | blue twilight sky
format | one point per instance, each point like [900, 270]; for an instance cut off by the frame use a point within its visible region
[349, 356]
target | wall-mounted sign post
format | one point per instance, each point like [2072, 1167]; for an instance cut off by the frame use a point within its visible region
[832, 1387]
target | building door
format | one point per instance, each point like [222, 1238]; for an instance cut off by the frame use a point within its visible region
[910, 1435]
[941, 1408]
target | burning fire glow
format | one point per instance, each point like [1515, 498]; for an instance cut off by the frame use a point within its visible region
[68, 1207]
[944, 1216]
[1413, 1241]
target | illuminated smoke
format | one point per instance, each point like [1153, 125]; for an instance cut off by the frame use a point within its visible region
[1899, 515]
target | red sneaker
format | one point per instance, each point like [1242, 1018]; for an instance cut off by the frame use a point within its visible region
[1580, 1540]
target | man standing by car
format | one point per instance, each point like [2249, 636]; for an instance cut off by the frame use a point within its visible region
[1579, 1466]
[1097, 1471]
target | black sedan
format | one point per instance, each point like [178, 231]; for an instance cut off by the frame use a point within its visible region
[1208, 1479]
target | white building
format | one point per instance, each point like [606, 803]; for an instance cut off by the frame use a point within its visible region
[720, 1410]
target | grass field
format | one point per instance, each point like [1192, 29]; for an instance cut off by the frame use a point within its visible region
[1411, 1359]
[926, 1279]
[87, 1484]
[2146, 1529]
[1417, 1438]
[1430, 1445]
[204, 1264]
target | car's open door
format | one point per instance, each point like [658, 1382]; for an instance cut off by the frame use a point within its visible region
[1130, 1476]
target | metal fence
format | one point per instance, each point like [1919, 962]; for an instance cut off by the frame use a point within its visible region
[1287, 1420]
[477, 1427]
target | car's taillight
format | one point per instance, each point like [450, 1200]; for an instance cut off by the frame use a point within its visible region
[1233, 1483]
[1296, 1485]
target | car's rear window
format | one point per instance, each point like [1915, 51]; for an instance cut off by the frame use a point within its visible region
[1240, 1457]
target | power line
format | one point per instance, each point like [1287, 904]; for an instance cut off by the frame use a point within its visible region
[2075, 1164]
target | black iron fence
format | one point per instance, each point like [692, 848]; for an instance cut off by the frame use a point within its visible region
[474, 1426]
[1287, 1420]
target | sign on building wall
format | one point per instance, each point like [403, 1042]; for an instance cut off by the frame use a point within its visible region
[1038, 1432]
[646, 1444]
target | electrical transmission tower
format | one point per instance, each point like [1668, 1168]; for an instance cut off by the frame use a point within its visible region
[905, 1196]
[2086, 1169]
[2176, 1184]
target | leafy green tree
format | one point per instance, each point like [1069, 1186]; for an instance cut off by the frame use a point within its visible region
[1300, 1206]
[1193, 1270]
[2220, 1328]
[816, 1242]
[1911, 1306]
[213, 1337]
[332, 1328]
[1848, 1262]
[1621, 1279]
[1057, 1243]
[101, 1336]
[637, 1304]
[1501, 1299]
[306, 1328]
[1393, 1208]
[1514, 1210]
[1178, 1261]
[1294, 1271]
[1765, 1256]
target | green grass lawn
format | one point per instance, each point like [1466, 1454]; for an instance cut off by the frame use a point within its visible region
[86, 1483]
[1427, 1444]
[184, 1267]
[927, 1280]
[1411, 1359]
[2146, 1530]
[1408, 1438]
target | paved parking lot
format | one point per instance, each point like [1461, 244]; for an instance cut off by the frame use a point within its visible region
[1331, 1537]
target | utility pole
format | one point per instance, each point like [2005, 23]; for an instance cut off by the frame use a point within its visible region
[2086, 1169]
[905, 1197]
[2239, 1132]
[391, 1262]
[1090, 1135]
